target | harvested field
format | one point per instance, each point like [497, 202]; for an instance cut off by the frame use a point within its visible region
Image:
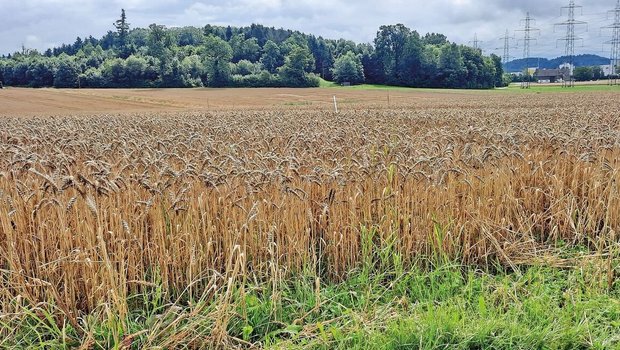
[171, 200]
[28, 102]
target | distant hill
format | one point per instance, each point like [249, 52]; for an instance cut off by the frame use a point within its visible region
[580, 61]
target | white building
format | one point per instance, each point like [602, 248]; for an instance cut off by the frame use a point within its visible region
[530, 72]
[607, 71]
[570, 67]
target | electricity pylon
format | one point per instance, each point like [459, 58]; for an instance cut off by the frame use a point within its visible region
[569, 39]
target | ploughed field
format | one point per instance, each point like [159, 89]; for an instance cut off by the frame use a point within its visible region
[103, 213]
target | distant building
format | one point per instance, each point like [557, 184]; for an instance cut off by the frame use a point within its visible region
[530, 72]
[569, 67]
[606, 68]
[545, 76]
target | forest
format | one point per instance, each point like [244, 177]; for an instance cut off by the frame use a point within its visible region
[252, 56]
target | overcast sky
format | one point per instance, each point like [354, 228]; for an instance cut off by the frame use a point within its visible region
[41, 24]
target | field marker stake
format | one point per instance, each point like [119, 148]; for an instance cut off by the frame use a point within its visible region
[335, 104]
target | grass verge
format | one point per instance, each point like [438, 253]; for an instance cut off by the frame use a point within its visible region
[542, 88]
[513, 88]
[449, 307]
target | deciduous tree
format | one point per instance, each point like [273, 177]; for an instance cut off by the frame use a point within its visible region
[297, 64]
[67, 73]
[348, 68]
[272, 57]
[217, 56]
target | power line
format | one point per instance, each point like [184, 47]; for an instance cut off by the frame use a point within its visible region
[570, 38]
[476, 43]
[527, 38]
[615, 45]
[506, 38]
[594, 46]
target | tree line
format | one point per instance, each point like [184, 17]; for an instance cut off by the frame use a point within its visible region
[253, 56]
[588, 73]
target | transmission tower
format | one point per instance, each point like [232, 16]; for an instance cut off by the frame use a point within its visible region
[506, 38]
[527, 38]
[476, 43]
[569, 39]
[615, 45]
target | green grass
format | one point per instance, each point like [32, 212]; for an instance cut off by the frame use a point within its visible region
[535, 88]
[298, 103]
[448, 307]
[329, 84]
[372, 87]
[514, 88]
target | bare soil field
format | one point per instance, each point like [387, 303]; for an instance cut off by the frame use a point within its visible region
[19, 102]
[59, 102]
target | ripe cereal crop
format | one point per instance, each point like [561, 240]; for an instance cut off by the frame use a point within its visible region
[186, 214]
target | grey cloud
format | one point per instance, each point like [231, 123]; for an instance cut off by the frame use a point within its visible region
[41, 23]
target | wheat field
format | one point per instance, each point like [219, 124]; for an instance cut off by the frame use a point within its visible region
[95, 210]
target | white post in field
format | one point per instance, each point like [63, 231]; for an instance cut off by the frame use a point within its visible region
[335, 104]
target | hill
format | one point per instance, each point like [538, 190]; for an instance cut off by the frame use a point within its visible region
[580, 61]
[252, 56]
